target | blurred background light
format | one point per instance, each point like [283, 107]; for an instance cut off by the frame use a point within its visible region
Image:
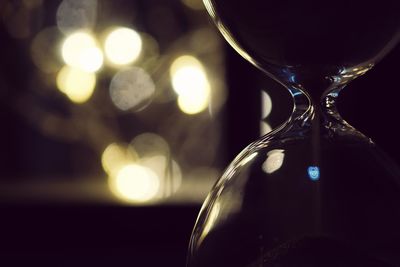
[187, 71]
[21, 18]
[274, 161]
[150, 48]
[155, 174]
[154, 153]
[266, 108]
[194, 103]
[150, 144]
[43, 51]
[135, 183]
[115, 156]
[92, 59]
[78, 85]
[167, 170]
[123, 46]
[265, 128]
[266, 104]
[80, 50]
[32, 3]
[132, 89]
[190, 82]
[73, 15]
[194, 4]
[77, 47]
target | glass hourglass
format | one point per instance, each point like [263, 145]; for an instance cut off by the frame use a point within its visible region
[315, 191]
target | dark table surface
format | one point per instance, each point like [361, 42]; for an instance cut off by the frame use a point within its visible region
[78, 235]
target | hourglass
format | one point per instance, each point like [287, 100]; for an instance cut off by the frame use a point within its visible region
[315, 191]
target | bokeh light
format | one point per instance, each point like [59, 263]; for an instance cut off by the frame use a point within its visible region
[187, 71]
[20, 18]
[190, 82]
[154, 153]
[266, 108]
[167, 170]
[274, 161]
[266, 104]
[123, 46]
[79, 53]
[78, 85]
[115, 156]
[80, 50]
[194, 103]
[265, 128]
[194, 4]
[150, 144]
[132, 89]
[149, 153]
[43, 52]
[92, 59]
[73, 15]
[31, 4]
[135, 183]
[150, 48]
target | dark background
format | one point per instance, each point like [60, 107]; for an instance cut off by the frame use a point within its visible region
[45, 234]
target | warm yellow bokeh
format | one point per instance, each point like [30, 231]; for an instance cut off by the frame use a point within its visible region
[194, 103]
[150, 144]
[168, 171]
[78, 85]
[123, 46]
[142, 171]
[190, 82]
[265, 128]
[115, 157]
[194, 4]
[266, 104]
[80, 50]
[185, 70]
[274, 161]
[135, 183]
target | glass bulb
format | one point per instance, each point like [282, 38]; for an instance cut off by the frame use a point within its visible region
[314, 191]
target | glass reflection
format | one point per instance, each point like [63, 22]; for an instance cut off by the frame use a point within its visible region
[313, 173]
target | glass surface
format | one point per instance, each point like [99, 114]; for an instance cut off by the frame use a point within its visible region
[293, 40]
[315, 191]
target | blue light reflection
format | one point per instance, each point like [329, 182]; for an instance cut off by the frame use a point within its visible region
[313, 173]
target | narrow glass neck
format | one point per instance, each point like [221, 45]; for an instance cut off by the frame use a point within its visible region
[319, 115]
